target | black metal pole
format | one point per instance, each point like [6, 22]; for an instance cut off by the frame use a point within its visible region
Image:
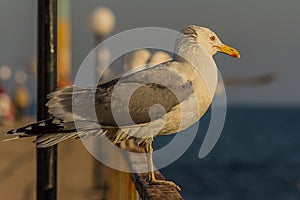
[47, 81]
[97, 166]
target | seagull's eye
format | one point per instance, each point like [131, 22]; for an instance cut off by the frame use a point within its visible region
[212, 38]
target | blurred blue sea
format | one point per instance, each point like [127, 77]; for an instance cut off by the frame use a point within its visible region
[257, 157]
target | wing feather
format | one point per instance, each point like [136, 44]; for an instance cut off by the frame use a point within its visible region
[129, 99]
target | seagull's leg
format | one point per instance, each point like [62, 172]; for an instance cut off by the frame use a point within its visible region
[152, 179]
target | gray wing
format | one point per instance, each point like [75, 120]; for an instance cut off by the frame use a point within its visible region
[126, 101]
[129, 101]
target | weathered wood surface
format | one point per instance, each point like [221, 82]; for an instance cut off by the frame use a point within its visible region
[146, 191]
[154, 192]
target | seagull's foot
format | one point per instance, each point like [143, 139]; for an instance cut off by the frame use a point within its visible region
[162, 182]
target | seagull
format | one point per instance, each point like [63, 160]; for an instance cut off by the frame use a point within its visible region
[165, 99]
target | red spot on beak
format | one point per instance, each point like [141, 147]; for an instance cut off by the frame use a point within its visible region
[234, 55]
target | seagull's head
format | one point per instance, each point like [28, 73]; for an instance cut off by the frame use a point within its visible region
[208, 40]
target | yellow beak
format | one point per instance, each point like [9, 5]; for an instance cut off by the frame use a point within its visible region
[229, 50]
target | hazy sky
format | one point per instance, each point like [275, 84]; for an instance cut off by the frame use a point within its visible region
[265, 32]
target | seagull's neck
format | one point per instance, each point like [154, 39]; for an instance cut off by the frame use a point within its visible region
[192, 53]
[190, 50]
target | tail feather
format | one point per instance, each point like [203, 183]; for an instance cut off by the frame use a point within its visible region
[62, 126]
[53, 131]
[50, 126]
[37, 128]
[61, 103]
[11, 138]
[52, 139]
